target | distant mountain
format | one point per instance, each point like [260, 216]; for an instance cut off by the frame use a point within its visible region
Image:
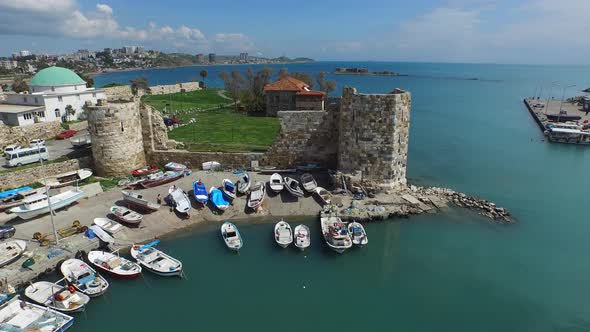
[183, 59]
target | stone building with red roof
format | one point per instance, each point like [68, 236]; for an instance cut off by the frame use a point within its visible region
[290, 94]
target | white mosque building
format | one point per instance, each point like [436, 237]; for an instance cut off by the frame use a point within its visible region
[50, 92]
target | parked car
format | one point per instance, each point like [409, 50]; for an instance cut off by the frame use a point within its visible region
[7, 231]
[66, 134]
[37, 142]
[11, 148]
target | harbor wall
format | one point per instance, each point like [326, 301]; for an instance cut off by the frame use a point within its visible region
[194, 160]
[35, 174]
[23, 134]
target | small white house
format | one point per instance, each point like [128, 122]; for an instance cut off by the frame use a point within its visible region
[51, 90]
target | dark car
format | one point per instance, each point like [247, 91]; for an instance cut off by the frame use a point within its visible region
[7, 231]
[66, 134]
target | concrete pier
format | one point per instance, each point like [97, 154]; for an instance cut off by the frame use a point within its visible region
[541, 110]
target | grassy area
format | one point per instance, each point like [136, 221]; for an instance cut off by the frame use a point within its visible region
[226, 131]
[200, 99]
[106, 183]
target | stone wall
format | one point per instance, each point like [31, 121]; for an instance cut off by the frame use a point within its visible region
[154, 131]
[27, 176]
[118, 93]
[174, 88]
[306, 137]
[22, 135]
[78, 126]
[117, 141]
[195, 160]
[374, 136]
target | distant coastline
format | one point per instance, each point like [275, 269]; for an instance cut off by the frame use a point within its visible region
[365, 71]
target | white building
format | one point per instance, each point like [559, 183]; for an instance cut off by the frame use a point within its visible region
[51, 90]
[25, 53]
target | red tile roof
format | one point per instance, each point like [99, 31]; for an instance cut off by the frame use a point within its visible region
[292, 84]
[311, 93]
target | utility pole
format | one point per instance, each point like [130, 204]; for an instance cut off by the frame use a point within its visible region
[549, 96]
[48, 196]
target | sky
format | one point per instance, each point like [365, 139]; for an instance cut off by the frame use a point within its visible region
[474, 31]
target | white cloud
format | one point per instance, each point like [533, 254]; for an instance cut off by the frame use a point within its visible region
[234, 42]
[106, 9]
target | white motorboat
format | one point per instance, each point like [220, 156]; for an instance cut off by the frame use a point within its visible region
[125, 215]
[308, 182]
[19, 315]
[229, 189]
[56, 296]
[155, 260]
[358, 234]
[335, 233]
[180, 199]
[283, 234]
[19, 198]
[244, 182]
[231, 236]
[211, 166]
[36, 205]
[11, 250]
[302, 237]
[102, 234]
[108, 225]
[324, 195]
[114, 265]
[257, 195]
[137, 200]
[83, 277]
[276, 182]
[292, 186]
[64, 179]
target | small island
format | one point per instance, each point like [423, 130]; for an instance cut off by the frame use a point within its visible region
[365, 71]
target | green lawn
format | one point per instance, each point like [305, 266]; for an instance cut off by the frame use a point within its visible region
[200, 99]
[226, 131]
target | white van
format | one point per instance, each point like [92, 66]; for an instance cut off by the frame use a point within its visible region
[26, 156]
[10, 149]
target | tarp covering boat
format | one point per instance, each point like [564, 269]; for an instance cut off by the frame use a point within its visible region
[13, 192]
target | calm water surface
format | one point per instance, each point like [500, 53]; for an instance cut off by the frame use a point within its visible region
[454, 271]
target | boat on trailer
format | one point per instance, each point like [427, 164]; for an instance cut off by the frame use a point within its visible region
[283, 234]
[80, 275]
[20, 315]
[155, 260]
[276, 182]
[57, 297]
[137, 200]
[231, 236]
[302, 237]
[114, 265]
[292, 186]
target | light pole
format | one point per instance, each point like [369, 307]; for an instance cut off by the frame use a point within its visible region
[554, 83]
[48, 195]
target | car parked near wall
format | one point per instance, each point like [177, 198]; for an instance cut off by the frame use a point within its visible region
[66, 134]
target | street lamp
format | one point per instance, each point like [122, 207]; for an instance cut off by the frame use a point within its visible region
[554, 83]
[48, 194]
[562, 98]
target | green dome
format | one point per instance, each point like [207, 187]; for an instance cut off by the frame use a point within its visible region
[56, 76]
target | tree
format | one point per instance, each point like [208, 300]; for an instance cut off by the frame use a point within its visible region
[303, 77]
[5, 87]
[253, 94]
[233, 85]
[88, 79]
[70, 111]
[139, 83]
[203, 73]
[323, 84]
[284, 72]
[19, 85]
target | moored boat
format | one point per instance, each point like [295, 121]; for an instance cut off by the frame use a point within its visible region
[20, 315]
[114, 265]
[155, 260]
[257, 195]
[358, 234]
[217, 198]
[145, 171]
[56, 296]
[229, 189]
[181, 202]
[283, 234]
[11, 250]
[302, 237]
[64, 179]
[335, 233]
[276, 182]
[324, 195]
[125, 215]
[138, 201]
[200, 192]
[83, 277]
[36, 205]
[108, 225]
[231, 236]
[292, 186]
[244, 182]
[308, 182]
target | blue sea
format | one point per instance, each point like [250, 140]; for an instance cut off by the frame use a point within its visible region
[452, 271]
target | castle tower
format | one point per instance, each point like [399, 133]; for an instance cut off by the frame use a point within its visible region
[374, 133]
[117, 141]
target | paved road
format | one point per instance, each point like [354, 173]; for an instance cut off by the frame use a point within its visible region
[57, 148]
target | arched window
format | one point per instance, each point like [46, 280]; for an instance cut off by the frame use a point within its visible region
[57, 113]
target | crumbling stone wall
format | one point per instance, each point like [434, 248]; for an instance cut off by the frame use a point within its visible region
[154, 131]
[29, 175]
[174, 88]
[374, 136]
[195, 160]
[23, 134]
[117, 141]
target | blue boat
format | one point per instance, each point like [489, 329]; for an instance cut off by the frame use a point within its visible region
[13, 192]
[216, 197]
[200, 192]
[229, 189]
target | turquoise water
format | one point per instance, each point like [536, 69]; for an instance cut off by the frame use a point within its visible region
[454, 271]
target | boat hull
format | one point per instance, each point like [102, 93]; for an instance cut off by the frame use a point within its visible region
[32, 214]
[175, 273]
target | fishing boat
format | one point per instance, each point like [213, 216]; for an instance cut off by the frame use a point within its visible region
[36, 205]
[324, 195]
[292, 186]
[11, 250]
[231, 236]
[200, 192]
[276, 182]
[57, 297]
[302, 237]
[125, 215]
[19, 315]
[171, 166]
[358, 234]
[108, 225]
[95, 231]
[180, 200]
[68, 178]
[257, 195]
[80, 142]
[217, 198]
[308, 182]
[18, 198]
[146, 170]
[83, 277]
[13, 192]
[138, 201]
[229, 189]
[114, 265]
[211, 166]
[335, 233]
[244, 183]
[159, 178]
[155, 260]
[283, 234]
